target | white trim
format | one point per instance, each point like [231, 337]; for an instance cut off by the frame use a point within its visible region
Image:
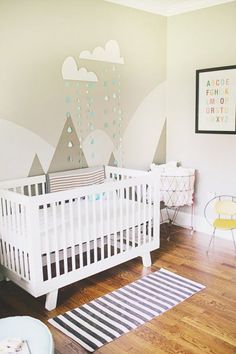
[187, 6]
[165, 9]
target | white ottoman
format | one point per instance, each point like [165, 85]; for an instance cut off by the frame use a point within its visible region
[36, 333]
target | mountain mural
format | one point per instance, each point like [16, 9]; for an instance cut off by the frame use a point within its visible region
[36, 168]
[68, 154]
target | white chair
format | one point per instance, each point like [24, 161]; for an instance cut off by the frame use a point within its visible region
[220, 213]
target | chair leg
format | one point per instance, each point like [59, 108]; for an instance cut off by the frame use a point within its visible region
[212, 237]
[233, 240]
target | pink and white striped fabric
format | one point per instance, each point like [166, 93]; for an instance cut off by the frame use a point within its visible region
[83, 177]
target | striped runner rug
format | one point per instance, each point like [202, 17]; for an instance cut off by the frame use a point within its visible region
[108, 317]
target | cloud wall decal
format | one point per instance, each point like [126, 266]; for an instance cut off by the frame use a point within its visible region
[110, 54]
[70, 71]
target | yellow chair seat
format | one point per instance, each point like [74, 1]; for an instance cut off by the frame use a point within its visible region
[226, 224]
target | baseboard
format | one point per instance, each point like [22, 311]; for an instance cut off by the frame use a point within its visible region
[199, 224]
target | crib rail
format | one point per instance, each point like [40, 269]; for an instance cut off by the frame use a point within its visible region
[29, 186]
[119, 174]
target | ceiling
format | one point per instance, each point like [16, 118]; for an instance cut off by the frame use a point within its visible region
[168, 7]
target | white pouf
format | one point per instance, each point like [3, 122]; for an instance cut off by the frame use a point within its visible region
[36, 333]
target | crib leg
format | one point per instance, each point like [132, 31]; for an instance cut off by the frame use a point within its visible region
[51, 300]
[147, 261]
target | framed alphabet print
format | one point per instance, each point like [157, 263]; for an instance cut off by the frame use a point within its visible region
[216, 100]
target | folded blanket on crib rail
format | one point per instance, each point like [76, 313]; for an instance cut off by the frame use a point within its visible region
[83, 177]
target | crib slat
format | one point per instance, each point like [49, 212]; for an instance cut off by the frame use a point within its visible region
[29, 190]
[9, 239]
[144, 213]
[127, 218]
[36, 189]
[48, 261]
[133, 215]
[9, 224]
[72, 233]
[101, 227]
[150, 198]
[121, 220]
[24, 233]
[115, 220]
[9, 229]
[55, 238]
[1, 226]
[64, 250]
[138, 212]
[43, 187]
[108, 227]
[5, 229]
[19, 242]
[95, 227]
[87, 231]
[13, 240]
[81, 261]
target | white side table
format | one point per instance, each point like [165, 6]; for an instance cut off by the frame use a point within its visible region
[36, 333]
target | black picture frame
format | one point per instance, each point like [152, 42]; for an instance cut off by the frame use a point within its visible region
[215, 111]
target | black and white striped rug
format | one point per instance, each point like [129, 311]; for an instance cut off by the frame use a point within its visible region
[108, 317]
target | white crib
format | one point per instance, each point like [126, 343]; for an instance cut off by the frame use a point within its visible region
[50, 240]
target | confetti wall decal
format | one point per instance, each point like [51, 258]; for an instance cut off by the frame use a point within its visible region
[112, 106]
[95, 104]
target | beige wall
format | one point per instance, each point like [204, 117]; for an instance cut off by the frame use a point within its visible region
[197, 40]
[36, 36]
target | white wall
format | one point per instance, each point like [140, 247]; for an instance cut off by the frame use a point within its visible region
[197, 40]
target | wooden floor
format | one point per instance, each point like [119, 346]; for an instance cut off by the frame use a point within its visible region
[204, 323]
